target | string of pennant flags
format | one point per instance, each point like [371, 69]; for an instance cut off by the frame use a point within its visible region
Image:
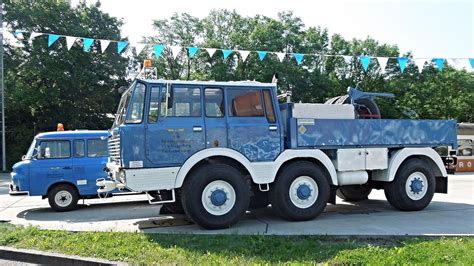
[365, 60]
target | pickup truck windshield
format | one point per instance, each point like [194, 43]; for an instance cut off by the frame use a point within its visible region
[31, 149]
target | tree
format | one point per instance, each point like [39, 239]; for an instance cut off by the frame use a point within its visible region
[46, 86]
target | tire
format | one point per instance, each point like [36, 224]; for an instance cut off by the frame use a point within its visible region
[408, 191]
[353, 193]
[293, 194]
[63, 198]
[215, 196]
[259, 199]
[367, 108]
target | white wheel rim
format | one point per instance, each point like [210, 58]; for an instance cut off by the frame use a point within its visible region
[416, 185]
[218, 197]
[63, 198]
[303, 192]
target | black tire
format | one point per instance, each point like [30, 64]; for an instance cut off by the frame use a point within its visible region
[259, 199]
[280, 192]
[353, 193]
[195, 186]
[63, 198]
[367, 108]
[396, 191]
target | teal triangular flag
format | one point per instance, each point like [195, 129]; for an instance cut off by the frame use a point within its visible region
[87, 43]
[402, 61]
[192, 51]
[261, 54]
[52, 38]
[226, 53]
[121, 46]
[471, 60]
[365, 60]
[299, 58]
[158, 49]
[440, 63]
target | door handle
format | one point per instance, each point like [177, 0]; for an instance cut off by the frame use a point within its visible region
[55, 168]
[66, 167]
[197, 128]
[272, 128]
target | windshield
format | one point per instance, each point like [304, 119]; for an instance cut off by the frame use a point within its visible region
[31, 149]
[122, 108]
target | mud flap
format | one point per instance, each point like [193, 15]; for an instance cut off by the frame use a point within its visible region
[441, 184]
[332, 195]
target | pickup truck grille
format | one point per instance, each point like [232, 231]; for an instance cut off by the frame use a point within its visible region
[114, 149]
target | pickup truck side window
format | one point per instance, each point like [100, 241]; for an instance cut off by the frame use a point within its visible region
[79, 148]
[182, 102]
[269, 106]
[154, 105]
[244, 103]
[214, 100]
[135, 113]
[55, 149]
[97, 148]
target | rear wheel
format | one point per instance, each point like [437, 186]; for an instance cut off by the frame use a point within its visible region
[300, 192]
[353, 193]
[413, 187]
[215, 196]
[63, 198]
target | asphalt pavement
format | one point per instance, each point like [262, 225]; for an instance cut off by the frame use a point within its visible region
[448, 214]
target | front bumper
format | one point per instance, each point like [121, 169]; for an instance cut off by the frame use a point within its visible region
[15, 190]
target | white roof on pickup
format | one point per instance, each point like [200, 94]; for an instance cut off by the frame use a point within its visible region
[212, 83]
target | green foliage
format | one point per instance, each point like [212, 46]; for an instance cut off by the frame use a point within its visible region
[140, 248]
[46, 86]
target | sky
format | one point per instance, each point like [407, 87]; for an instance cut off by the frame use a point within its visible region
[428, 28]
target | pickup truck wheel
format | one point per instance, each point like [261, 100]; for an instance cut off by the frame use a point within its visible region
[300, 192]
[353, 193]
[413, 187]
[63, 198]
[215, 196]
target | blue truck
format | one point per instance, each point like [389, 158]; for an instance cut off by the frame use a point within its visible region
[216, 149]
[62, 166]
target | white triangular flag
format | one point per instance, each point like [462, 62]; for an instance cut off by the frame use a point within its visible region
[104, 44]
[244, 54]
[281, 56]
[210, 51]
[70, 40]
[382, 63]
[175, 49]
[420, 63]
[139, 47]
[33, 35]
[456, 63]
[347, 59]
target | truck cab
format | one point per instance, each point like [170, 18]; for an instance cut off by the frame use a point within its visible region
[215, 149]
[62, 166]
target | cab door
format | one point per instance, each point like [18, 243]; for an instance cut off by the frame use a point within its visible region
[214, 116]
[175, 128]
[53, 164]
[89, 160]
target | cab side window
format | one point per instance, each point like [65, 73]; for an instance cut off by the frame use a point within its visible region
[79, 148]
[245, 103]
[154, 105]
[269, 106]
[55, 149]
[181, 102]
[97, 148]
[214, 99]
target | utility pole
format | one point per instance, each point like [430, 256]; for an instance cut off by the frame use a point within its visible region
[2, 90]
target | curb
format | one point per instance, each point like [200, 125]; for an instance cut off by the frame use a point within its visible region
[41, 257]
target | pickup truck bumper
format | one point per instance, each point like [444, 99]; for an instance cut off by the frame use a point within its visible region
[15, 190]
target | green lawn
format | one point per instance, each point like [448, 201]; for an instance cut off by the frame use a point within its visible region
[226, 249]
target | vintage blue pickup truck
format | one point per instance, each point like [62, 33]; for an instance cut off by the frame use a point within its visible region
[62, 166]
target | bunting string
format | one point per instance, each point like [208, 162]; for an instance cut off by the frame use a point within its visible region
[176, 50]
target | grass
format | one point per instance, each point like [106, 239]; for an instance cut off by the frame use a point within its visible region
[140, 248]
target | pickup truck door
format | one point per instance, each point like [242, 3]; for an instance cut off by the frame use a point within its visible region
[53, 165]
[252, 124]
[175, 128]
[89, 164]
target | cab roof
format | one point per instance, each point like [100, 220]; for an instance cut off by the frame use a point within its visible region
[73, 134]
[246, 83]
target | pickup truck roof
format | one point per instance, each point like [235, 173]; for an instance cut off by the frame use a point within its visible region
[211, 83]
[73, 134]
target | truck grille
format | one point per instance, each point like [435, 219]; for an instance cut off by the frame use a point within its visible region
[114, 149]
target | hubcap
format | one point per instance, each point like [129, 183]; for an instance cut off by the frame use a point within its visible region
[63, 198]
[303, 192]
[218, 197]
[416, 186]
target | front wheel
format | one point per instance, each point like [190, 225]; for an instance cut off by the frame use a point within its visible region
[215, 196]
[63, 198]
[413, 187]
[300, 192]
